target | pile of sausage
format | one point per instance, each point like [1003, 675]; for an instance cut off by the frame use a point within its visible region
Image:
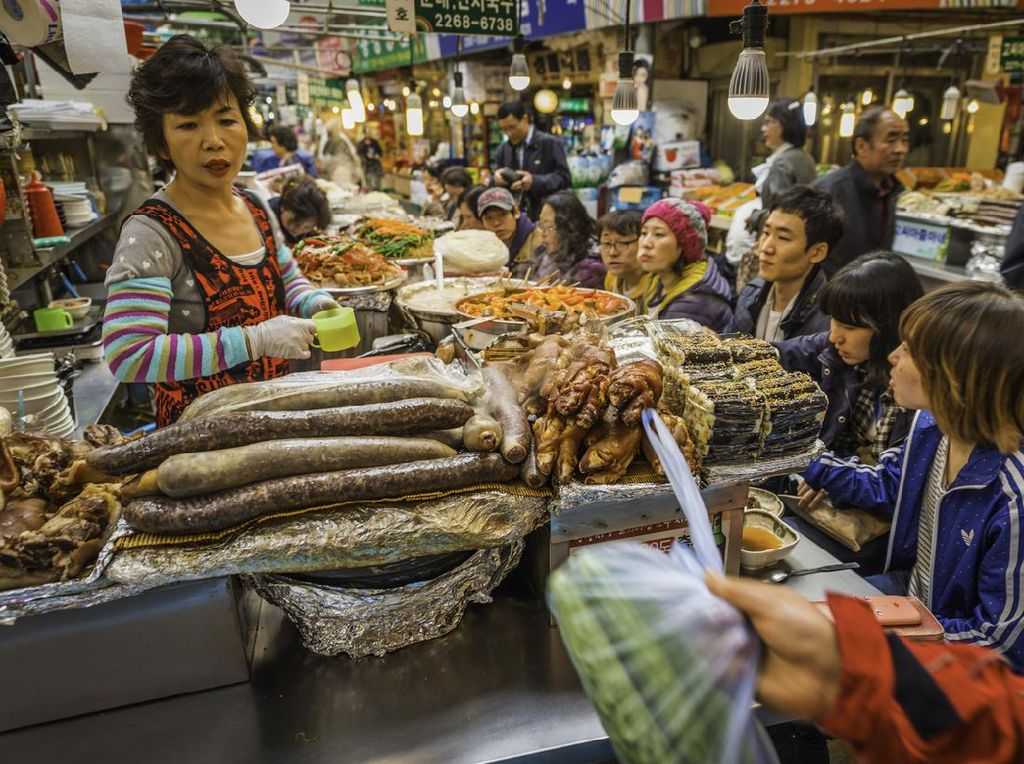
[359, 441]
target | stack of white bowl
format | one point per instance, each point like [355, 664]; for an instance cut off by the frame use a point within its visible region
[77, 210]
[44, 398]
[6, 343]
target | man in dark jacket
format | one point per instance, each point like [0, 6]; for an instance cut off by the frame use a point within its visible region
[1013, 261]
[800, 230]
[533, 162]
[866, 189]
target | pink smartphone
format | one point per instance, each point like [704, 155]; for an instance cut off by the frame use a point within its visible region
[895, 611]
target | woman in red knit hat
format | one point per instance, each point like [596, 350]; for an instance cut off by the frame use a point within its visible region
[684, 282]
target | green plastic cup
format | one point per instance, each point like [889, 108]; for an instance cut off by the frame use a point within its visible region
[52, 319]
[336, 329]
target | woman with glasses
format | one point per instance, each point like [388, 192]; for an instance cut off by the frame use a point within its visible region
[568, 238]
[619, 239]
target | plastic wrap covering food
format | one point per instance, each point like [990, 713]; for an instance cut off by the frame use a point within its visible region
[471, 252]
[288, 393]
[354, 536]
[640, 483]
[62, 595]
[669, 667]
[362, 622]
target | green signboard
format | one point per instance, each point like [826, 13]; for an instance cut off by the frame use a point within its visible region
[467, 17]
[1011, 58]
[324, 92]
[375, 55]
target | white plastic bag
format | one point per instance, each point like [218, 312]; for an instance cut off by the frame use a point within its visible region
[669, 667]
[471, 252]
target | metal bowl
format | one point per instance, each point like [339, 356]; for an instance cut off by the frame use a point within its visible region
[512, 325]
[438, 322]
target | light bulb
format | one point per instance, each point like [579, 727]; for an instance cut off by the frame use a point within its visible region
[370, 107]
[336, 109]
[348, 119]
[474, 108]
[902, 102]
[973, 106]
[405, 92]
[269, 100]
[624, 105]
[950, 103]
[446, 102]
[867, 97]
[947, 128]
[460, 107]
[749, 86]
[566, 84]
[264, 14]
[355, 100]
[847, 121]
[414, 115]
[519, 73]
[810, 109]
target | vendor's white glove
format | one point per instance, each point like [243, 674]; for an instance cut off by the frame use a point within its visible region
[280, 337]
[322, 302]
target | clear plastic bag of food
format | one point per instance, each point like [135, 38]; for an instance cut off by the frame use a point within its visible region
[669, 667]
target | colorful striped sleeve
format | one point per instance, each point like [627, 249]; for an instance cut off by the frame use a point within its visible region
[138, 348]
[301, 297]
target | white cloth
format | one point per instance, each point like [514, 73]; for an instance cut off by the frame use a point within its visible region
[739, 240]
[253, 258]
[761, 171]
[928, 525]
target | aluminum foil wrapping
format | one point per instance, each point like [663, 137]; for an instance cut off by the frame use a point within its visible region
[347, 537]
[575, 496]
[379, 302]
[81, 592]
[362, 622]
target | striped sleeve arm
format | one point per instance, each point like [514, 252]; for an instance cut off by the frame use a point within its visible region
[997, 619]
[853, 484]
[301, 297]
[138, 348]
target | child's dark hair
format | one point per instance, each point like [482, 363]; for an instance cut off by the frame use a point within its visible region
[872, 292]
[185, 77]
[306, 201]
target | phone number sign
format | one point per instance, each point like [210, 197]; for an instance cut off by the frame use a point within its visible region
[468, 17]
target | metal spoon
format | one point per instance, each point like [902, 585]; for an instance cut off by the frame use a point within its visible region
[781, 576]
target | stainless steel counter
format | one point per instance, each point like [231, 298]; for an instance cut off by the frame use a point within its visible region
[499, 689]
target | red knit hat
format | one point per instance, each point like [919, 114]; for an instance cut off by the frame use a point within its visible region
[688, 221]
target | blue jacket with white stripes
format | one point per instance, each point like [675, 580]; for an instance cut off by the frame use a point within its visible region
[977, 578]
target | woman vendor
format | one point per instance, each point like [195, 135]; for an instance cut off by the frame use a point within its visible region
[684, 283]
[301, 209]
[200, 293]
[618, 237]
[568, 236]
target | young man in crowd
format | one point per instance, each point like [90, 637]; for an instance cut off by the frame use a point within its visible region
[530, 163]
[500, 215]
[866, 189]
[797, 236]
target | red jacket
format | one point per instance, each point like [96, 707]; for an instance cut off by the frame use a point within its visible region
[922, 703]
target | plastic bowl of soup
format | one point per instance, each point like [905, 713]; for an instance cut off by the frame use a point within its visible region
[766, 540]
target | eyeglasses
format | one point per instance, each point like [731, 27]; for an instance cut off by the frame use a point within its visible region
[545, 227]
[618, 246]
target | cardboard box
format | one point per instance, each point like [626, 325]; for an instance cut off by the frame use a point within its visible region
[172, 640]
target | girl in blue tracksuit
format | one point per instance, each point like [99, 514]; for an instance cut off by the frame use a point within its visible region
[955, 487]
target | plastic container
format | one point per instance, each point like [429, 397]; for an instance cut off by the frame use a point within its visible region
[45, 220]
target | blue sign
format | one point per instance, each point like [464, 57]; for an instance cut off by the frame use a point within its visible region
[538, 20]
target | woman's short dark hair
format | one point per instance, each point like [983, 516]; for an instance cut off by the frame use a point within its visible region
[576, 229]
[622, 222]
[285, 137]
[306, 201]
[470, 197]
[185, 77]
[872, 292]
[788, 113]
[456, 176]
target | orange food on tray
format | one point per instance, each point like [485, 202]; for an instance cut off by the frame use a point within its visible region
[343, 262]
[508, 304]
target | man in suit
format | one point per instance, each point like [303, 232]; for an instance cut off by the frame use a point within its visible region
[530, 163]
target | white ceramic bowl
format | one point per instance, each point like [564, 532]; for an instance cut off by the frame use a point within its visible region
[766, 501]
[51, 393]
[78, 307]
[761, 519]
[27, 364]
[53, 407]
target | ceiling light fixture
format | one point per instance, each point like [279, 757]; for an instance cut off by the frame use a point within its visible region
[750, 85]
[263, 14]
